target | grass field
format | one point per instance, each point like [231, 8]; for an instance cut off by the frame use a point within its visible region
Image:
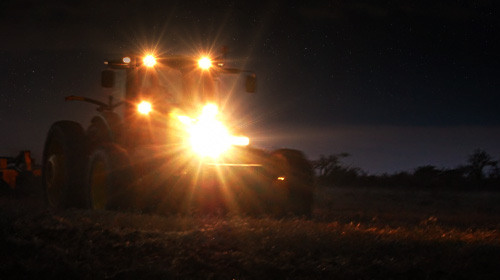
[353, 234]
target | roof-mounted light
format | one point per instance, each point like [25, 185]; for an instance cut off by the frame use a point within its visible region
[205, 63]
[149, 60]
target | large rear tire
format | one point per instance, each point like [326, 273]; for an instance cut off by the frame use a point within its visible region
[109, 177]
[295, 177]
[64, 162]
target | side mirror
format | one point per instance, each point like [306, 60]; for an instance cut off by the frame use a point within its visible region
[108, 78]
[251, 83]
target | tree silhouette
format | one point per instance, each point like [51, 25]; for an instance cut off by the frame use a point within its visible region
[478, 161]
[331, 171]
[326, 165]
[480, 172]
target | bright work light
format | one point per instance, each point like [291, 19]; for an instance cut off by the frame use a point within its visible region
[144, 107]
[149, 60]
[205, 63]
[208, 136]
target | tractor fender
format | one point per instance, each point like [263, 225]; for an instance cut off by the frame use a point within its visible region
[297, 179]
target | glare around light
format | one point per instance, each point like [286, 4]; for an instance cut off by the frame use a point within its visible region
[208, 137]
[144, 107]
[185, 120]
[210, 111]
[149, 60]
[240, 140]
[126, 59]
[205, 63]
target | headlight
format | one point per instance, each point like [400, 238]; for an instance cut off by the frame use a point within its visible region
[144, 107]
[208, 137]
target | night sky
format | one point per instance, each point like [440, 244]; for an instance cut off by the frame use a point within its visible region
[397, 84]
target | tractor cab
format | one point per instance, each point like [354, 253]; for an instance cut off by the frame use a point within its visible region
[174, 98]
[182, 80]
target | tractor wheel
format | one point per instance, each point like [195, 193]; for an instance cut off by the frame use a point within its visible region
[295, 177]
[108, 179]
[64, 162]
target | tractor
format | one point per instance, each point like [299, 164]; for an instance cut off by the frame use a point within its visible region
[163, 143]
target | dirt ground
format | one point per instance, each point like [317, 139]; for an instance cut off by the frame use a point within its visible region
[353, 234]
